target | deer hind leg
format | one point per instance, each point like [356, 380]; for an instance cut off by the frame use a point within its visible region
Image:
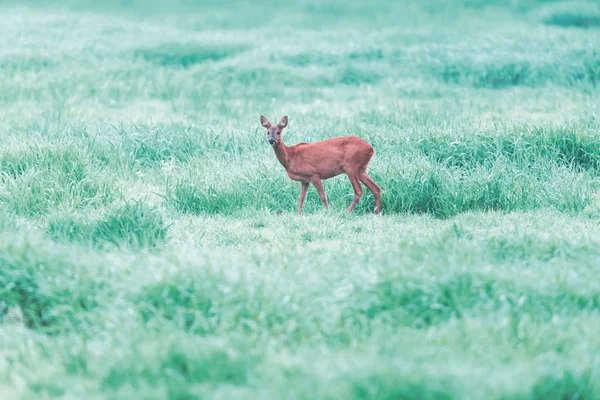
[303, 190]
[316, 181]
[358, 191]
[374, 188]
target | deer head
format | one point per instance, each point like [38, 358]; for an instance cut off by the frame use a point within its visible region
[274, 132]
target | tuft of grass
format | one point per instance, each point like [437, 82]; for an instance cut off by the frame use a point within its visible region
[385, 384]
[186, 55]
[357, 77]
[134, 225]
[52, 158]
[22, 299]
[576, 14]
[575, 146]
[490, 76]
[502, 69]
[187, 197]
[567, 386]
[39, 179]
[186, 363]
[426, 188]
[255, 188]
[39, 192]
[149, 145]
[181, 301]
[38, 287]
[26, 63]
[68, 228]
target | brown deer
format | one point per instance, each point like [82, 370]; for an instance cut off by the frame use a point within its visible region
[312, 162]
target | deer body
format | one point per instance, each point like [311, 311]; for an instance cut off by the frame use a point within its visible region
[312, 162]
[326, 159]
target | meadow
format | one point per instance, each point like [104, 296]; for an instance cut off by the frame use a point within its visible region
[150, 246]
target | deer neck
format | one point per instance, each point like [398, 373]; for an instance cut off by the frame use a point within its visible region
[281, 151]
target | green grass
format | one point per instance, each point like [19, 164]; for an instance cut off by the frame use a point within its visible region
[572, 14]
[133, 224]
[149, 242]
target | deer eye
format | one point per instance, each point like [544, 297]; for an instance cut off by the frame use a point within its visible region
[278, 133]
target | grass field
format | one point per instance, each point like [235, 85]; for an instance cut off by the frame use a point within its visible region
[150, 247]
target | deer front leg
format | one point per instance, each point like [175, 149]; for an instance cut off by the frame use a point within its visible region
[316, 181]
[303, 190]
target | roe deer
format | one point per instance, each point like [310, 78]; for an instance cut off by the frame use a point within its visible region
[312, 162]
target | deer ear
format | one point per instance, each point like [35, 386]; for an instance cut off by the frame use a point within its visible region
[265, 122]
[283, 123]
